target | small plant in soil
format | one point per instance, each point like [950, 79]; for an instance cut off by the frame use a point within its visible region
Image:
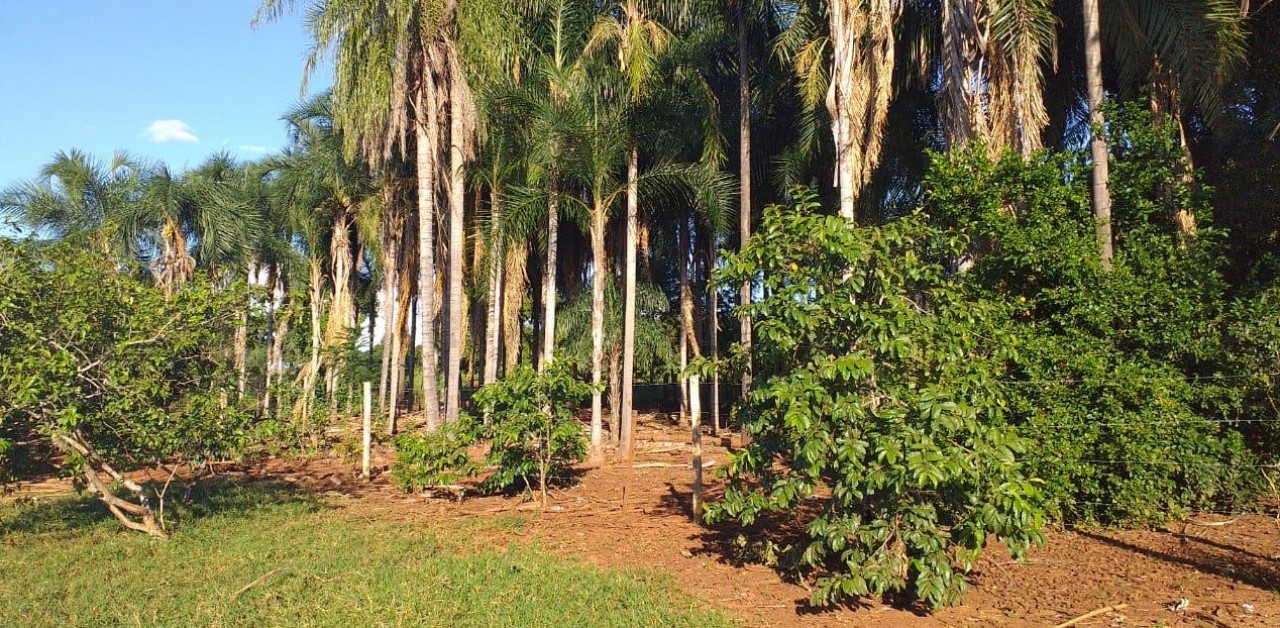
[530, 427]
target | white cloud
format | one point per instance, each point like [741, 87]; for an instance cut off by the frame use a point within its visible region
[162, 131]
[253, 148]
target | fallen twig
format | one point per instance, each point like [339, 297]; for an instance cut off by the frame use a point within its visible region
[670, 465]
[1211, 524]
[1091, 615]
[257, 581]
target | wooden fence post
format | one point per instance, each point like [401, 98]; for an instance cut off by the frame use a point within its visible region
[367, 440]
[695, 420]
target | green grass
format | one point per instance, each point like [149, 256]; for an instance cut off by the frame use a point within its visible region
[66, 564]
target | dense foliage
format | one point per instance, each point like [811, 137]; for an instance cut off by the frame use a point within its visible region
[1124, 379]
[530, 428]
[112, 371]
[878, 416]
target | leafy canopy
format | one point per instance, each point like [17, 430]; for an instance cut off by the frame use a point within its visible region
[877, 416]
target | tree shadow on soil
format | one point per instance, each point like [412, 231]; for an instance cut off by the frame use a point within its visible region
[184, 505]
[776, 541]
[1239, 565]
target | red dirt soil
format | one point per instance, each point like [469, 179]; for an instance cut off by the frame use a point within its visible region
[637, 516]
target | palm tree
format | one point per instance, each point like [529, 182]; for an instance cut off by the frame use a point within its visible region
[639, 42]
[325, 192]
[843, 54]
[992, 61]
[1098, 145]
[392, 64]
[77, 196]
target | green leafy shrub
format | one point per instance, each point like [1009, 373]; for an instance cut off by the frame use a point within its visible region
[110, 370]
[531, 430]
[877, 417]
[532, 427]
[1115, 376]
[435, 459]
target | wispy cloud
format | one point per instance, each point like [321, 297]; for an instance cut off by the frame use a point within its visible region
[162, 131]
[253, 148]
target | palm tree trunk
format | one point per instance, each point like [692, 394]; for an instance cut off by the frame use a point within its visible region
[860, 89]
[744, 183]
[598, 273]
[390, 272]
[392, 346]
[681, 247]
[276, 328]
[713, 330]
[409, 356]
[428, 143]
[302, 407]
[513, 290]
[629, 305]
[242, 339]
[1166, 109]
[495, 289]
[960, 102]
[341, 307]
[689, 382]
[1098, 145]
[549, 281]
[457, 244]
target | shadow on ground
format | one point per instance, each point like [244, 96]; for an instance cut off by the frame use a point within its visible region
[183, 505]
[776, 541]
[1228, 561]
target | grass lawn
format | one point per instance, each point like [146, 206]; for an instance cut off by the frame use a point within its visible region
[67, 564]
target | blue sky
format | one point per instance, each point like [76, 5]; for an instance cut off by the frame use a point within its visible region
[168, 79]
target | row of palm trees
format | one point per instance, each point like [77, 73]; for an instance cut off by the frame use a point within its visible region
[501, 181]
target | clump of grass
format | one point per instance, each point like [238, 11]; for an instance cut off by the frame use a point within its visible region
[62, 564]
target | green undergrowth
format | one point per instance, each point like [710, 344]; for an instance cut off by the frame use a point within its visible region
[66, 563]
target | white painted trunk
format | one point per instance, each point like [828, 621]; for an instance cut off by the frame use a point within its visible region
[627, 430]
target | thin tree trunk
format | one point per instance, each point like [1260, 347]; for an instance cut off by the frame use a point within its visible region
[409, 349]
[123, 510]
[390, 270]
[549, 282]
[629, 306]
[615, 395]
[682, 246]
[457, 244]
[598, 273]
[428, 143]
[242, 339]
[277, 326]
[394, 345]
[688, 381]
[1098, 145]
[695, 424]
[265, 402]
[491, 331]
[713, 330]
[744, 182]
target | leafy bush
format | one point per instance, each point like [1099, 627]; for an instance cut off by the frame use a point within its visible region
[110, 370]
[877, 416]
[1115, 375]
[436, 459]
[530, 427]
